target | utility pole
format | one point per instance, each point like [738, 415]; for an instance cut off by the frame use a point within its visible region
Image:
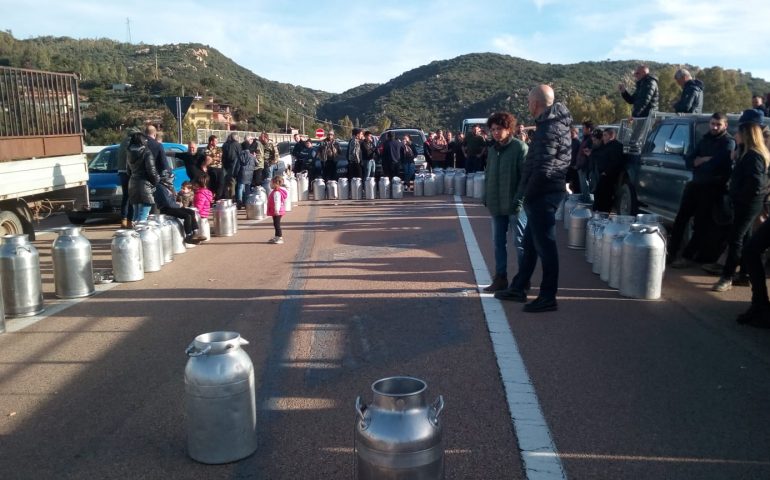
[257, 104]
[128, 29]
[157, 77]
[286, 130]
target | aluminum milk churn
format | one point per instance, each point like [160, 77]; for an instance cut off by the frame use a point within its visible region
[356, 188]
[178, 234]
[370, 188]
[569, 204]
[644, 261]
[619, 224]
[384, 187]
[127, 259]
[223, 220]
[332, 190]
[293, 189]
[150, 222]
[344, 186]
[233, 209]
[652, 219]
[591, 226]
[431, 184]
[469, 185]
[596, 265]
[288, 208]
[397, 188]
[2, 310]
[576, 235]
[449, 184]
[459, 183]
[439, 176]
[419, 186]
[197, 215]
[616, 260]
[22, 287]
[251, 206]
[220, 399]
[166, 236]
[152, 247]
[319, 189]
[398, 435]
[304, 186]
[73, 269]
[479, 179]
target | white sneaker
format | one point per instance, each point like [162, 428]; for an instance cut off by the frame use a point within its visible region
[278, 240]
[272, 240]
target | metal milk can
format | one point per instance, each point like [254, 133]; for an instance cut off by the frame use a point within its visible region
[576, 235]
[619, 224]
[459, 182]
[344, 186]
[166, 237]
[319, 189]
[569, 205]
[370, 188]
[304, 186]
[152, 247]
[293, 189]
[383, 190]
[448, 184]
[205, 231]
[591, 226]
[596, 265]
[197, 215]
[332, 190]
[397, 188]
[2, 309]
[127, 258]
[439, 175]
[356, 188]
[419, 186]
[469, 185]
[233, 209]
[220, 399]
[223, 220]
[478, 185]
[652, 219]
[251, 206]
[73, 269]
[177, 231]
[22, 287]
[431, 184]
[263, 197]
[644, 261]
[288, 206]
[398, 435]
[616, 260]
[159, 231]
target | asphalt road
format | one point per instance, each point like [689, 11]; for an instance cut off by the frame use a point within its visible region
[365, 290]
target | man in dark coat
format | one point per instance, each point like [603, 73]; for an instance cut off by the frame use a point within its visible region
[646, 95]
[609, 162]
[542, 188]
[691, 100]
[231, 153]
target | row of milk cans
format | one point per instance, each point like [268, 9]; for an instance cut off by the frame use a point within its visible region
[626, 251]
[449, 182]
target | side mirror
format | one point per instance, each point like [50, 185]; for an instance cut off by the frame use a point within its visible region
[675, 148]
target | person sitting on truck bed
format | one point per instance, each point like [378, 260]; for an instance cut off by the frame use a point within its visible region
[143, 177]
[609, 162]
[711, 164]
[691, 100]
[646, 95]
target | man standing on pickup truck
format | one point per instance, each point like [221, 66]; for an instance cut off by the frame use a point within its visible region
[646, 95]
[542, 188]
[691, 100]
[711, 165]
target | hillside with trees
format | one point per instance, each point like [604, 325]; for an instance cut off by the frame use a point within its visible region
[437, 95]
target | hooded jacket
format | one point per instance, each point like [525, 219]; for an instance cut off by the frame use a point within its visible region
[550, 151]
[691, 100]
[645, 97]
[143, 175]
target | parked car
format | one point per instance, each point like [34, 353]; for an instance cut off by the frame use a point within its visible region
[105, 192]
[656, 172]
[418, 138]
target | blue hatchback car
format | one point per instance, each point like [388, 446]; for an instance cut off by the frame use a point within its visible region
[105, 192]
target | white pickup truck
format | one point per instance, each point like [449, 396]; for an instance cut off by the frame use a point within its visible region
[42, 165]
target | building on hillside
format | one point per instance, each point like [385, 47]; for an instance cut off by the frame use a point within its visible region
[205, 113]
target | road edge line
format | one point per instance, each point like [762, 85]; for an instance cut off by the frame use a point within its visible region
[529, 424]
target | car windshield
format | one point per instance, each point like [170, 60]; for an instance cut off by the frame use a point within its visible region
[104, 161]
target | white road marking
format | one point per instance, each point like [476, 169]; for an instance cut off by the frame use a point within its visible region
[538, 452]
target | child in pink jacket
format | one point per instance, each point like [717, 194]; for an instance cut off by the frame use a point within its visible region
[276, 206]
[203, 196]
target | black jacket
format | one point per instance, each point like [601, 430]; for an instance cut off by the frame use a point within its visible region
[748, 182]
[645, 97]
[143, 175]
[545, 167]
[691, 100]
[717, 170]
[159, 155]
[231, 152]
[609, 159]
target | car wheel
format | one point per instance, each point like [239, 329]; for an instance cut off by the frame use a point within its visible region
[10, 224]
[625, 200]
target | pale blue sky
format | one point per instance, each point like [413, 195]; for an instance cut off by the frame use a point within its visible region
[332, 46]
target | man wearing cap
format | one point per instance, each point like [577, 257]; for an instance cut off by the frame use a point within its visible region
[354, 154]
[645, 96]
[691, 100]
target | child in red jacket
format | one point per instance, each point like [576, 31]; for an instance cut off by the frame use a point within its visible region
[276, 206]
[203, 196]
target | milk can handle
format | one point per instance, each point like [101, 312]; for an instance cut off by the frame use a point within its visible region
[438, 407]
[23, 247]
[191, 352]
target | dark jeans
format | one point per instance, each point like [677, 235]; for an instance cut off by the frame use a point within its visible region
[752, 260]
[500, 226]
[604, 196]
[217, 182]
[185, 214]
[126, 209]
[740, 232]
[354, 170]
[697, 202]
[540, 241]
[277, 225]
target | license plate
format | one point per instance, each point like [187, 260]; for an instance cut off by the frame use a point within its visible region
[96, 204]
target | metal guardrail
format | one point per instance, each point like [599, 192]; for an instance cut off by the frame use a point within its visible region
[38, 103]
[203, 135]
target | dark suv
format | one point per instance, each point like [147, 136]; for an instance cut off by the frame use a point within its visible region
[655, 148]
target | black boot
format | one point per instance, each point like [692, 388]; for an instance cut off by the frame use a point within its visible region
[499, 283]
